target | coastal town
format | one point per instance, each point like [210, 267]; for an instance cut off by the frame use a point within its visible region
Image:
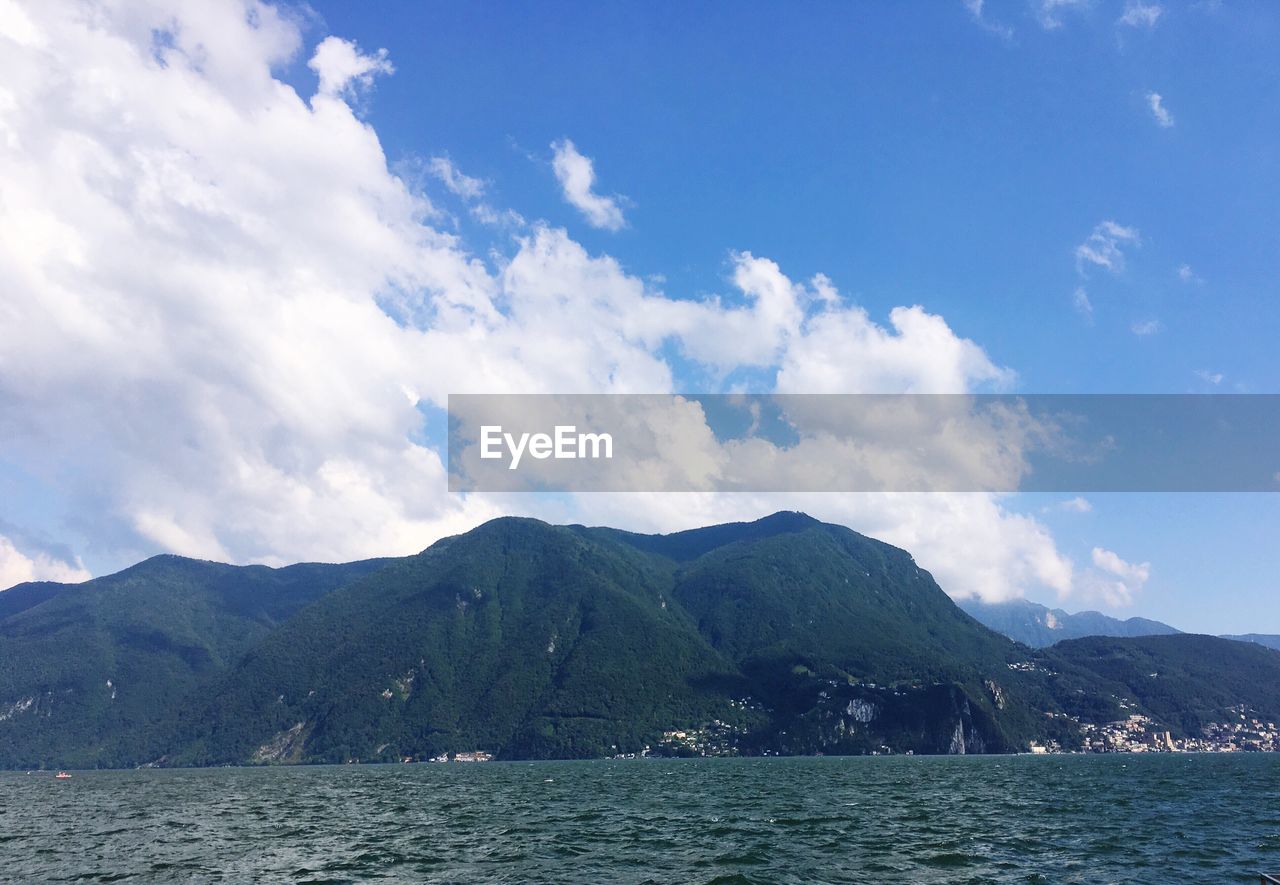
[1240, 732]
[1244, 733]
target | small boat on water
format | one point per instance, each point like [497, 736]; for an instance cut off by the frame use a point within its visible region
[62, 776]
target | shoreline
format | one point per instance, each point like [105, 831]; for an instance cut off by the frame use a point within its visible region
[50, 772]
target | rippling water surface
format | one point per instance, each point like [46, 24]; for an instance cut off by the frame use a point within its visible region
[974, 819]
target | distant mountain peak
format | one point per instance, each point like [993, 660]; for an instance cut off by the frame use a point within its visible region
[1038, 625]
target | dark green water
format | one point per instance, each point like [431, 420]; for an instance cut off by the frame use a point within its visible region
[1017, 819]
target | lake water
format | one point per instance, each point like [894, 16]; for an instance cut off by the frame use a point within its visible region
[898, 819]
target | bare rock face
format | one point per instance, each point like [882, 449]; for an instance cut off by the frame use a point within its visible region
[997, 694]
[286, 746]
[860, 711]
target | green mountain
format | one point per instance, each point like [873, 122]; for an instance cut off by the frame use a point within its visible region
[1185, 681]
[1038, 626]
[24, 596]
[518, 637]
[527, 640]
[89, 672]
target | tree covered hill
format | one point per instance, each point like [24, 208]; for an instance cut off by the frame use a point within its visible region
[1185, 681]
[89, 672]
[527, 640]
[518, 637]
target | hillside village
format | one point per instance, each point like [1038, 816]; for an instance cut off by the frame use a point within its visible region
[1242, 732]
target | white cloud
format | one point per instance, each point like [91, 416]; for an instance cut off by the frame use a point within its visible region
[1187, 275]
[1144, 328]
[486, 214]
[16, 25]
[1049, 11]
[225, 322]
[343, 69]
[1113, 580]
[977, 11]
[1076, 505]
[920, 354]
[17, 567]
[1103, 247]
[1140, 15]
[191, 315]
[1208, 377]
[577, 177]
[1163, 118]
[1080, 301]
[462, 185]
[472, 191]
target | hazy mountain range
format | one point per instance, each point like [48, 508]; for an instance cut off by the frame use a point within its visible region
[1038, 626]
[1270, 640]
[527, 640]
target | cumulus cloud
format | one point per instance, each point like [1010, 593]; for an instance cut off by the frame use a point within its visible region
[343, 68]
[1145, 328]
[919, 353]
[17, 567]
[1163, 118]
[1113, 580]
[1104, 247]
[577, 177]
[472, 192]
[1140, 15]
[453, 178]
[1208, 377]
[191, 320]
[17, 26]
[230, 328]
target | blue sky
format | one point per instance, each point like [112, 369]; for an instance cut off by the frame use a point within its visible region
[913, 155]
[200, 358]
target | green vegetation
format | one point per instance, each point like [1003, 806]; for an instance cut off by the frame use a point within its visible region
[1185, 681]
[91, 674]
[526, 640]
[517, 638]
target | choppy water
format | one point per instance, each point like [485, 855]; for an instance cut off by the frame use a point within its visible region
[1019, 819]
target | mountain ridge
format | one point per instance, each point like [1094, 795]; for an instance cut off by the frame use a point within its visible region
[1039, 626]
[522, 639]
[1270, 640]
